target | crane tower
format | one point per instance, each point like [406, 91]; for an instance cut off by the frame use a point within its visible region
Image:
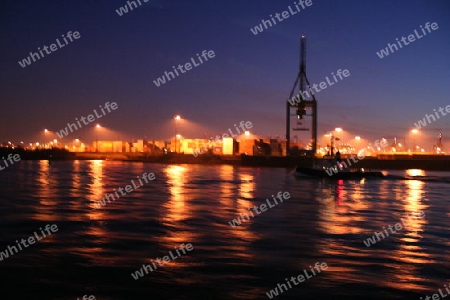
[303, 103]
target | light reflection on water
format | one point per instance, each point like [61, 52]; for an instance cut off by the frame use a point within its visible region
[325, 221]
[177, 209]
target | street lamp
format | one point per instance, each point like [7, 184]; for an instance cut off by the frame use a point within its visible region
[414, 132]
[177, 118]
[357, 139]
[96, 136]
[46, 133]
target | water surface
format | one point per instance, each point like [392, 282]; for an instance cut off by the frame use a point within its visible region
[95, 250]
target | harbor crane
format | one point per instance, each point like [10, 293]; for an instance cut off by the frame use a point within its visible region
[301, 103]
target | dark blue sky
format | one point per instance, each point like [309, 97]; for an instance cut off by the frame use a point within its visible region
[118, 57]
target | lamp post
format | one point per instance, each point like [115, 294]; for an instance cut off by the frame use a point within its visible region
[177, 118]
[96, 136]
[357, 139]
[414, 132]
[46, 133]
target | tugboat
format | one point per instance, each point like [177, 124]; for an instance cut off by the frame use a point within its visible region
[332, 167]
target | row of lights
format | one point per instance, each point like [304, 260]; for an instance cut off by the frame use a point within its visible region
[338, 129]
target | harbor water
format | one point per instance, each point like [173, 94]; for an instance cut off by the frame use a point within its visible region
[190, 214]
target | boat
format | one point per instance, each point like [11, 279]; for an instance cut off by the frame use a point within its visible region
[329, 167]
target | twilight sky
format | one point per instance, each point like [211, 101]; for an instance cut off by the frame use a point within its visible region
[117, 58]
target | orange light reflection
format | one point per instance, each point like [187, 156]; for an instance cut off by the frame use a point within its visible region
[45, 192]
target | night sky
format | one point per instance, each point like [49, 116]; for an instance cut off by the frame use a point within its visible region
[117, 58]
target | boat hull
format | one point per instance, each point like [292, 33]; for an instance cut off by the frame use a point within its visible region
[339, 175]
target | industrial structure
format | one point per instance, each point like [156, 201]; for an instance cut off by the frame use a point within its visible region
[304, 104]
